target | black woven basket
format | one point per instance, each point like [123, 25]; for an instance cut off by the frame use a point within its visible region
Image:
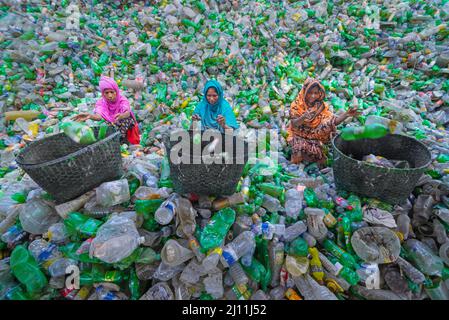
[391, 185]
[208, 179]
[66, 169]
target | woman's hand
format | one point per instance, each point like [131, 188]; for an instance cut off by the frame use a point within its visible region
[221, 121]
[196, 117]
[81, 117]
[118, 116]
[352, 112]
[121, 116]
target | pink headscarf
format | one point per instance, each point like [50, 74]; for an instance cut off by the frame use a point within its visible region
[107, 109]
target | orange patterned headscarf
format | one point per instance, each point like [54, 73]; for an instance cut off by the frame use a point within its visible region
[311, 115]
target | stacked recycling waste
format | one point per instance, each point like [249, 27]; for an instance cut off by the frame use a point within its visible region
[286, 233]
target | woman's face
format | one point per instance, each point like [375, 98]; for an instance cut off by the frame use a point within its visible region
[212, 96]
[110, 95]
[313, 95]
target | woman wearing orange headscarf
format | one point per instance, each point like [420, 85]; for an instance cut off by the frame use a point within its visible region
[312, 124]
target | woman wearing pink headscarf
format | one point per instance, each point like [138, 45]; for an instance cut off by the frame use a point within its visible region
[115, 110]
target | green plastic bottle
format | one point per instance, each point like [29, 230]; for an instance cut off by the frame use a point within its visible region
[298, 247]
[264, 257]
[147, 207]
[371, 131]
[217, 228]
[272, 189]
[77, 223]
[17, 293]
[148, 256]
[256, 271]
[134, 285]
[96, 276]
[311, 198]
[443, 158]
[356, 214]
[78, 132]
[25, 268]
[445, 274]
[343, 257]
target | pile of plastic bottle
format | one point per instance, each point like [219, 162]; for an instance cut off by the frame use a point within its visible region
[286, 233]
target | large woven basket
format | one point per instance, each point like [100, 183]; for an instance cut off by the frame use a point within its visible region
[208, 179]
[391, 185]
[66, 169]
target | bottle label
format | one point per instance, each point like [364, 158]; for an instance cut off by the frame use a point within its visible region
[217, 250]
[329, 220]
[170, 206]
[265, 228]
[279, 258]
[46, 253]
[230, 256]
[292, 295]
[193, 244]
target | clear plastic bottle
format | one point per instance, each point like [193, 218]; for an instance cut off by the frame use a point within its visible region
[160, 291]
[271, 203]
[444, 253]
[36, 216]
[395, 281]
[294, 231]
[320, 292]
[192, 272]
[311, 241]
[410, 271]
[376, 294]
[238, 274]
[278, 293]
[185, 218]
[210, 262]
[268, 230]
[403, 223]
[276, 253]
[293, 203]
[213, 285]
[113, 193]
[181, 290]
[439, 232]
[173, 253]
[240, 246]
[166, 212]
[304, 287]
[247, 259]
[115, 240]
[315, 223]
[44, 252]
[57, 234]
[259, 295]
[423, 258]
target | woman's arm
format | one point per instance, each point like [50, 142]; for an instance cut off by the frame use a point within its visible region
[95, 117]
[85, 116]
[121, 116]
[350, 113]
[341, 118]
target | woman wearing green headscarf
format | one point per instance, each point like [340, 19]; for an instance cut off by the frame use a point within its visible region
[214, 111]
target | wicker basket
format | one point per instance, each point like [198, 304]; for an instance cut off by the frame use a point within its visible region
[391, 185]
[66, 169]
[207, 179]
